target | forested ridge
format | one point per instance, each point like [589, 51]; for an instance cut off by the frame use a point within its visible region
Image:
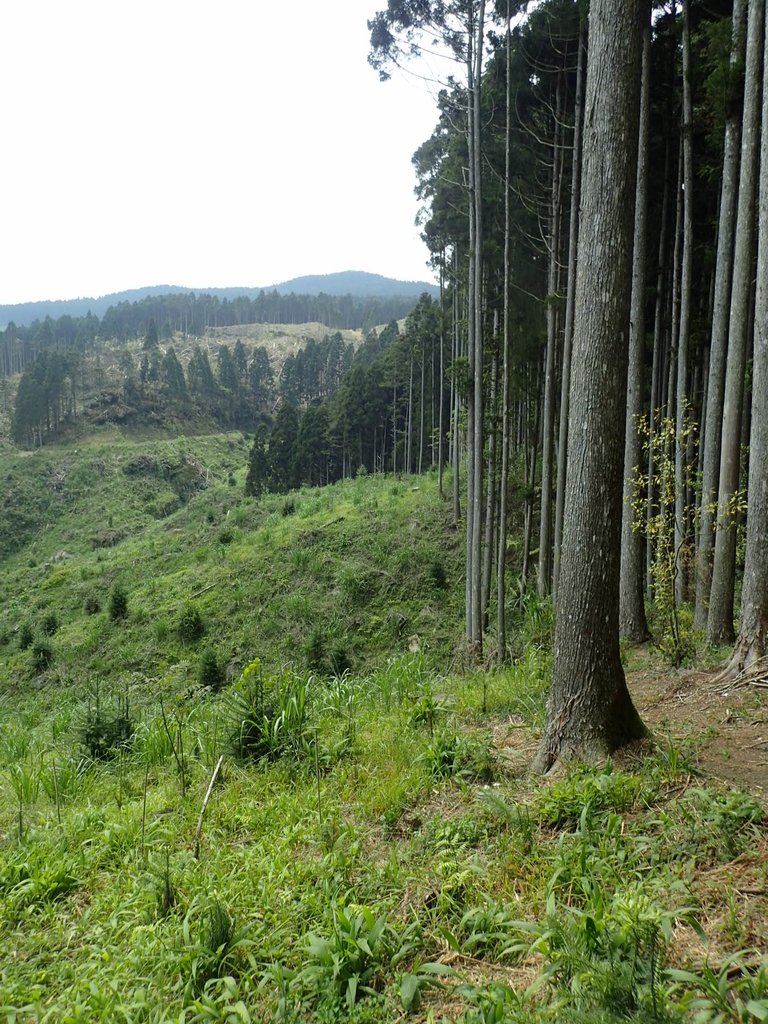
[192, 315]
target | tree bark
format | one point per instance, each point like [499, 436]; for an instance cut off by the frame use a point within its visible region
[553, 276]
[590, 711]
[719, 338]
[573, 238]
[720, 622]
[683, 341]
[752, 642]
[501, 559]
[632, 622]
[657, 370]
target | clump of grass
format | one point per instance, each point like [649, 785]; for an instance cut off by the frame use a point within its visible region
[268, 715]
[562, 803]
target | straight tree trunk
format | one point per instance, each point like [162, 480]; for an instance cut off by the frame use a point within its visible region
[501, 561]
[657, 371]
[421, 416]
[548, 439]
[532, 450]
[590, 711]
[752, 642]
[719, 340]
[490, 490]
[474, 626]
[632, 622]
[573, 238]
[720, 621]
[683, 343]
[455, 408]
[441, 386]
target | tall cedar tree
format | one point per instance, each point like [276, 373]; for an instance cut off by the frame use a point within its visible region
[590, 710]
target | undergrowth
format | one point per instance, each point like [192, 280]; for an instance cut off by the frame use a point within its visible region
[370, 851]
[255, 790]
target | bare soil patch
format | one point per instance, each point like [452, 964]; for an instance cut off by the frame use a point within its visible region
[727, 722]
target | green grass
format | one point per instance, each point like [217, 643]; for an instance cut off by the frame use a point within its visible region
[333, 575]
[342, 877]
[375, 850]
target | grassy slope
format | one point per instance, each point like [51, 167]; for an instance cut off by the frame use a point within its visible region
[334, 571]
[394, 829]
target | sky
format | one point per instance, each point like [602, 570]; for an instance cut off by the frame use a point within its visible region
[240, 143]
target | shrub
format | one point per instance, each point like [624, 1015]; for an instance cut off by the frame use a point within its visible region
[26, 636]
[437, 576]
[210, 673]
[314, 650]
[339, 659]
[190, 626]
[42, 655]
[118, 602]
[50, 623]
[104, 733]
[92, 604]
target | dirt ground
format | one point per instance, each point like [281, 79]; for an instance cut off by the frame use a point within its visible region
[727, 721]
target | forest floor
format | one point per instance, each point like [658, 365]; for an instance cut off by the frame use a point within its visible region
[727, 721]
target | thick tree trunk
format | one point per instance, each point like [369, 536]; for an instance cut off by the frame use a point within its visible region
[719, 340]
[590, 711]
[720, 622]
[476, 311]
[632, 622]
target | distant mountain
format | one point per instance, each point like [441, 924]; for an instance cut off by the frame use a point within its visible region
[24, 313]
[354, 282]
[348, 282]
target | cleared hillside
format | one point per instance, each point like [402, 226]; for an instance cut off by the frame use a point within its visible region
[316, 579]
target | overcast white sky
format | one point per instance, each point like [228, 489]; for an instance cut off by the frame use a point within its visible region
[178, 142]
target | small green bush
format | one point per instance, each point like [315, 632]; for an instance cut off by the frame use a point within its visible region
[118, 602]
[190, 626]
[104, 733]
[92, 604]
[42, 655]
[438, 576]
[211, 672]
[50, 623]
[26, 636]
